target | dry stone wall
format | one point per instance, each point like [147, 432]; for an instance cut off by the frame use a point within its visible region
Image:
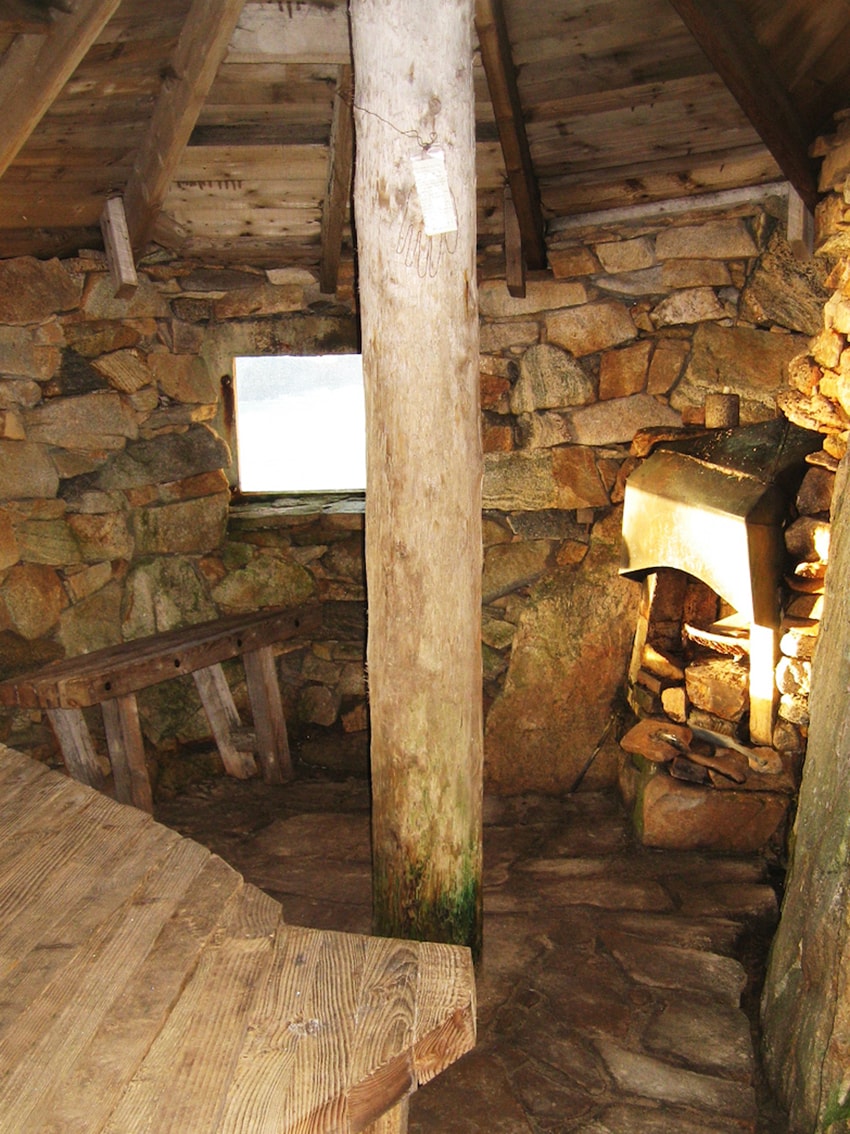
[117, 468]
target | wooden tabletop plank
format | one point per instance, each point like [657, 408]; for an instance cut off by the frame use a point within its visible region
[40, 944]
[125, 668]
[182, 1083]
[60, 1022]
[293, 1069]
[123, 1039]
[445, 1008]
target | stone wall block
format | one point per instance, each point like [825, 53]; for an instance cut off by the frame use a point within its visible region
[668, 358]
[26, 471]
[693, 305]
[578, 484]
[184, 377]
[740, 360]
[99, 336]
[195, 526]
[164, 593]
[592, 328]
[102, 536]
[509, 566]
[544, 430]
[92, 421]
[262, 299]
[713, 240]
[21, 357]
[648, 281]
[18, 392]
[572, 261]
[676, 274]
[836, 314]
[549, 378]
[496, 302]
[623, 372]
[170, 457]
[47, 541]
[99, 302]
[12, 426]
[496, 337]
[34, 599]
[785, 291]
[268, 580]
[9, 551]
[126, 370]
[626, 255]
[617, 421]
[92, 623]
[32, 291]
[719, 686]
[84, 581]
[520, 481]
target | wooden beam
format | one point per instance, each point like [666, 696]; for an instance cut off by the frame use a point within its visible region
[338, 192]
[732, 49]
[800, 226]
[36, 67]
[504, 95]
[119, 254]
[199, 52]
[419, 316]
[514, 259]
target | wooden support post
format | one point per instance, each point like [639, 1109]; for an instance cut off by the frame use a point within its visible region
[267, 710]
[221, 713]
[127, 752]
[763, 691]
[414, 94]
[77, 749]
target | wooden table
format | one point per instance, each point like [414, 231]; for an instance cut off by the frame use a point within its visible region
[146, 987]
[112, 677]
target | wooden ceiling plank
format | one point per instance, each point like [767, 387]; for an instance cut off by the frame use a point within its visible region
[36, 67]
[200, 49]
[501, 80]
[338, 192]
[738, 58]
[291, 33]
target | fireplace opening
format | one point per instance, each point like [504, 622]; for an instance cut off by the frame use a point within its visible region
[704, 532]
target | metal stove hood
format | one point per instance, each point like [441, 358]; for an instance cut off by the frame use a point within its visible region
[714, 506]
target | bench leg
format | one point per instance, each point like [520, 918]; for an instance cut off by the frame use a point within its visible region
[221, 713]
[269, 721]
[393, 1122]
[77, 749]
[127, 752]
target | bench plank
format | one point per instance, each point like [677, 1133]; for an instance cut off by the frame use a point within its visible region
[89, 679]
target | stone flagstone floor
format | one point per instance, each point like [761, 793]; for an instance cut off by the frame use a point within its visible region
[613, 977]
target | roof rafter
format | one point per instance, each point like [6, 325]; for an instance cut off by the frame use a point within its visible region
[504, 95]
[202, 45]
[735, 54]
[36, 68]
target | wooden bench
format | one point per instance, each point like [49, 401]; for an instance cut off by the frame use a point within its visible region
[147, 987]
[113, 676]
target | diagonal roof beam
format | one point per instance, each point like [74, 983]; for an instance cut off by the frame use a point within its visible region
[338, 192]
[736, 55]
[36, 67]
[504, 95]
[202, 46]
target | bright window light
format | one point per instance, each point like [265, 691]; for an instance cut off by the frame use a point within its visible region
[300, 423]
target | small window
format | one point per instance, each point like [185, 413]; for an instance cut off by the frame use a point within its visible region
[300, 423]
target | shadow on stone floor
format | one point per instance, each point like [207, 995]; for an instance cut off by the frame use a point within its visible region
[612, 979]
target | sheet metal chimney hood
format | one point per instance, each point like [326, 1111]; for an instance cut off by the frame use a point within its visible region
[714, 506]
